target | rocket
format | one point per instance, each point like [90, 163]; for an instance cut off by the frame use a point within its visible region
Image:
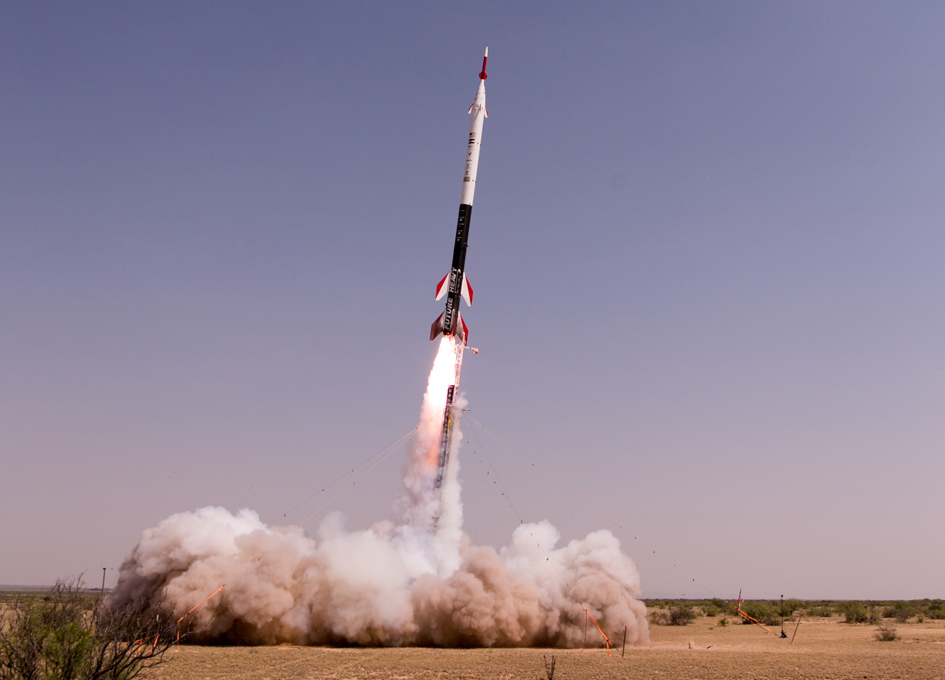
[455, 285]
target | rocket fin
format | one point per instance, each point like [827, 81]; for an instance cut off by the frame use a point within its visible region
[442, 287]
[437, 326]
[467, 291]
[464, 331]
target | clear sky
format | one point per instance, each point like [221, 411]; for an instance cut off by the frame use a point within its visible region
[707, 250]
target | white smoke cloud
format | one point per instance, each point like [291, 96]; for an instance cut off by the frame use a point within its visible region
[364, 587]
[403, 583]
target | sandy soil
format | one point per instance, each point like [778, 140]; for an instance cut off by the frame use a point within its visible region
[823, 648]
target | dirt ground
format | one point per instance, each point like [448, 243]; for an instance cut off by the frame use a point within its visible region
[823, 648]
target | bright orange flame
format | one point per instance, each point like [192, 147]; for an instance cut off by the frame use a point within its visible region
[442, 375]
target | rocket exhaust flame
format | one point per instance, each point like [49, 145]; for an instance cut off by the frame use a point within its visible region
[402, 582]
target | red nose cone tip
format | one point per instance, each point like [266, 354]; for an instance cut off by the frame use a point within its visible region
[485, 59]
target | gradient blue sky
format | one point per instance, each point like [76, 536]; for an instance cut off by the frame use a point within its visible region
[707, 251]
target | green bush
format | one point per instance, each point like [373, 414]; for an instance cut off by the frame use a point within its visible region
[789, 606]
[853, 611]
[723, 622]
[886, 634]
[682, 615]
[659, 618]
[722, 606]
[763, 611]
[710, 609]
[937, 614]
[902, 611]
[820, 610]
[63, 637]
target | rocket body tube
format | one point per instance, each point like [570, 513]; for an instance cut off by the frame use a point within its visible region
[455, 285]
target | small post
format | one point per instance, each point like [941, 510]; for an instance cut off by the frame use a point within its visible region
[801, 616]
[782, 617]
[550, 667]
[100, 598]
[624, 648]
[585, 630]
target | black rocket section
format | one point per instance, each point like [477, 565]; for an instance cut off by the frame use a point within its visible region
[447, 322]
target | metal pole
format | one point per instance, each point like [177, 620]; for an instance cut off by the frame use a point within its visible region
[796, 627]
[100, 598]
[624, 648]
[782, 617]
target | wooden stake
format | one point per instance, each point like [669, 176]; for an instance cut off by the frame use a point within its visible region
[585, 631]
[799, 617]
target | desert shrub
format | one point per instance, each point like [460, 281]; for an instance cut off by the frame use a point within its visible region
[902, 611]
[710, 609]
[937, 614]
[886, 634]
[63, 637]
[682, 615]
[721, 606]
[765, 612]
[820, 610]
[659, 617]
[853, 611]
[789, 606]
[723, 622]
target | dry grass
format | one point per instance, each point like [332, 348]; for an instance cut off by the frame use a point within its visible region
[824, 648]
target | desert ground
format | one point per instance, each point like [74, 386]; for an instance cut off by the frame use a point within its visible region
[823, 648]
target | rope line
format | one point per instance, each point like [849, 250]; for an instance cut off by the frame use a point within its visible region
[521, 521]
[362, 476]
[396, 443]
[607, 642]
[608, 519]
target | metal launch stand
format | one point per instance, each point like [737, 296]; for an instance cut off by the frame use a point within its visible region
[446, 435]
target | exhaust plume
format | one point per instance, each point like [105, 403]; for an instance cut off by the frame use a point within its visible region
[398, 583]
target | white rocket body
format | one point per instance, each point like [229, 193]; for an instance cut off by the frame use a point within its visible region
[479, 114]
[455, 286]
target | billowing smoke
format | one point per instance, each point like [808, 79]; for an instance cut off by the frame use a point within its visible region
[408, 582]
